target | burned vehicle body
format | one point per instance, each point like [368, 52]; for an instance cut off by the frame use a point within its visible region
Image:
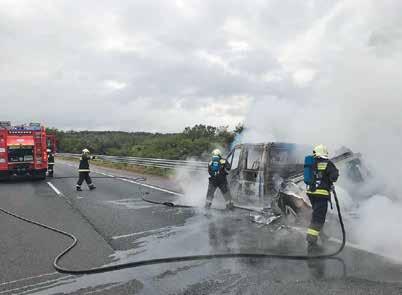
[259, 169]
[270, 175]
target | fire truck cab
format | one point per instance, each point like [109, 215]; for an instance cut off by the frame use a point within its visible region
[23, 150]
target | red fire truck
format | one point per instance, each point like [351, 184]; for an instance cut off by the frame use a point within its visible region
[23, 150]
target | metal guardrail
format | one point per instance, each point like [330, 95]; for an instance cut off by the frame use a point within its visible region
[147, 162]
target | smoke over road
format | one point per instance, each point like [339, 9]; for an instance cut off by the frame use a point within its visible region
[347, 68]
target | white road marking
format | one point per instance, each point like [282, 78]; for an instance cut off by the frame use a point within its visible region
[125, 236]
[54, 188]
[29, 278]
[153, 187]
[109, 175]
[139, 183]
[35, 285]
[124, 201]
[142, 232]
[59, 193]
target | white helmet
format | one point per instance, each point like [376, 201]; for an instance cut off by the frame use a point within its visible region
[321, 151]
[49, 150]
[85, 151]
[216, 153]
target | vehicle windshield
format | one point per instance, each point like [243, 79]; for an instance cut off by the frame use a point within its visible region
[254, 157]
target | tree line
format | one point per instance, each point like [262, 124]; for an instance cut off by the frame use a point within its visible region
[196, 142]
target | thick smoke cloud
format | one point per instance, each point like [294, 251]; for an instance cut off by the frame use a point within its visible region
[352, 96]
[350, 64]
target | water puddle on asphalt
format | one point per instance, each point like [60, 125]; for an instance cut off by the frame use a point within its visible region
[202, 233]
[129, 203]
[147, 232]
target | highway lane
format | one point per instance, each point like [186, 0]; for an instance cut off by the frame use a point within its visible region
[28, 251]
[116, 209]
[114, 224]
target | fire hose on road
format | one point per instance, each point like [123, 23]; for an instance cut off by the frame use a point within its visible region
[133, 264]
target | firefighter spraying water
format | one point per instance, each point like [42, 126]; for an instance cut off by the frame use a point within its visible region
[319, 174]
[218, 170]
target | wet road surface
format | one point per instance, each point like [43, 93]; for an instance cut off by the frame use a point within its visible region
[115, 225]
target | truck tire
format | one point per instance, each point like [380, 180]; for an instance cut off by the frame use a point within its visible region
[39, 175]
[4, 176]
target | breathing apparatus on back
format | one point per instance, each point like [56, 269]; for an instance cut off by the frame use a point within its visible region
[310, 172]
[215, 164]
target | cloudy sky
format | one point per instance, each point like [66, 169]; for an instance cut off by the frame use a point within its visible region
[161, 65]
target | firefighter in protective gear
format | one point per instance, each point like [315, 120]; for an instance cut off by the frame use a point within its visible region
[84, 170]
[218, 170]
[50, 163]
[319, 193]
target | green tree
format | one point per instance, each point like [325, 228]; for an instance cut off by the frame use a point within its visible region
[192, 142]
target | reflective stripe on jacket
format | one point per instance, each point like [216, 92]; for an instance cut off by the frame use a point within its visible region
[50, 159]
[325, 175]
[84, 163]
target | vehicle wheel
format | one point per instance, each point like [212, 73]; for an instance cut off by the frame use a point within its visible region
[4, 176]
[40, 175]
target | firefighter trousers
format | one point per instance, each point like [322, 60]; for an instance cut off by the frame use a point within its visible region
[84, 176]
[320, 208]
[223, 186]
[50, 169]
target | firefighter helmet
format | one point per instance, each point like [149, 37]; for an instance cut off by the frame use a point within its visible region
[85, 151]
[321, 151]
[216, 153]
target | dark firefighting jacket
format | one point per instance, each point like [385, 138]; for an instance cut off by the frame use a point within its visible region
[220, 175]
[84, 163]
[325, 175]
[50, 159]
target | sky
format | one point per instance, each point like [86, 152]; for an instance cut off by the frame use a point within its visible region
[161, 65]
[152, 65]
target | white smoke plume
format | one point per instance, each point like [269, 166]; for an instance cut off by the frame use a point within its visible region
[346, 71]
[193, 184]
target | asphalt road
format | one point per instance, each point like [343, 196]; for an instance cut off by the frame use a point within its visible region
[114, 225]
